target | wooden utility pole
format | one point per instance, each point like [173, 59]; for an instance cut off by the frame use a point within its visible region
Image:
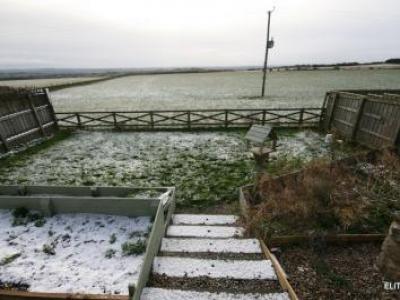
[269, 44]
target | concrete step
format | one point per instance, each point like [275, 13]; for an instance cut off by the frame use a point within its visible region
[185, 231]
[191, 245]
[232, 269]
[170, 294]
[188, 219]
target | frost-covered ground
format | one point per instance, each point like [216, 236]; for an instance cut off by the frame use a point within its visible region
[44, 82]
[205, 167]
[80, 243]
[218, 90]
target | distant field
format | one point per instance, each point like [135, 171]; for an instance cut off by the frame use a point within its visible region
[45, 82]
[218, 90]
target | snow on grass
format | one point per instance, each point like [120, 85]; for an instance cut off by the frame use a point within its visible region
[20, 83]
[205, 167]
[211, 245]
[188, 219]
[205, 231]
[233, 269]
[167, 294]
[218, 90]
[68, 253]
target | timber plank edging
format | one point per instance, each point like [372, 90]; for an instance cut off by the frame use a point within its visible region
[61, 199]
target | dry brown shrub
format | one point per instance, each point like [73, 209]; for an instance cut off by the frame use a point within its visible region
[320, 196]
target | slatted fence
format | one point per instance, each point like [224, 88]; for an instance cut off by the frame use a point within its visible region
[25, 115]
[369, 117]
[190, 119]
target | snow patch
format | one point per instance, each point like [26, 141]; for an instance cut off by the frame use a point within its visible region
[187, 219]
[204, 231]
[234, 269]
[80, 242]
[166, 294]
[211, 245]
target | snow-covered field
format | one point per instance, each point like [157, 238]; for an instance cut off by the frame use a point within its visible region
[205, 167]
[68, 253]
[44, 82]
[218, 90]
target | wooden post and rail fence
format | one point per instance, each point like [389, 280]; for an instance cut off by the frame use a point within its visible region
[190, 119]
[370, 117]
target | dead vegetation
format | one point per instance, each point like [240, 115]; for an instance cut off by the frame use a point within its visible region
[354, 195]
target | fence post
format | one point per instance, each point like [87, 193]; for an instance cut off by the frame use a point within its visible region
[333, 106]
[226, 119]
[301, 117]
[358, 118]
[51, 107]
[264, 113]
[152, 120]
[35, 114]
[189, 122]
[3, 140]
[396, 141]
[78, 118]
[115, 120]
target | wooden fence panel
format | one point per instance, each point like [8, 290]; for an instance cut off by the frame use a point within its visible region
[24, 117]
[370, 117]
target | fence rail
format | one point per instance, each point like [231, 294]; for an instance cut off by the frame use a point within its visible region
[369, 117]
[190, 119]
[24, 116]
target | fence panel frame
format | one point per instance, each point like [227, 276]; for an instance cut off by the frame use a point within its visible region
[374, 123]
[25, 115]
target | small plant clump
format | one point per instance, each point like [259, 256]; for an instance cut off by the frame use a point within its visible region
[49, 249]
[133, 248]
[22, 217]
[110, 253]
[113, 238]
[10, 258]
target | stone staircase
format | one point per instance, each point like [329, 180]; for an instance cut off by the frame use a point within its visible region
[206, 257]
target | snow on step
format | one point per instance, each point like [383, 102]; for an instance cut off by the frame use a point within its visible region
[211, 245]
[233, 269]
[186, 219]
[204, 231]
[166, 294]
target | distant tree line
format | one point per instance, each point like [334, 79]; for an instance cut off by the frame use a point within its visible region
[393, 61]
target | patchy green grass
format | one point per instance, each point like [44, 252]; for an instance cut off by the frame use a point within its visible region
[205, 167]
[9, 259]
[22, 217]
[110, 253]
[20, 158]
[133, 248]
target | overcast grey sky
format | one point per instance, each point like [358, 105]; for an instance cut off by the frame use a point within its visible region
[182, 33]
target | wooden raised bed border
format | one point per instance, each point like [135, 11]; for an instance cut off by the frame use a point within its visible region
[107, 200]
